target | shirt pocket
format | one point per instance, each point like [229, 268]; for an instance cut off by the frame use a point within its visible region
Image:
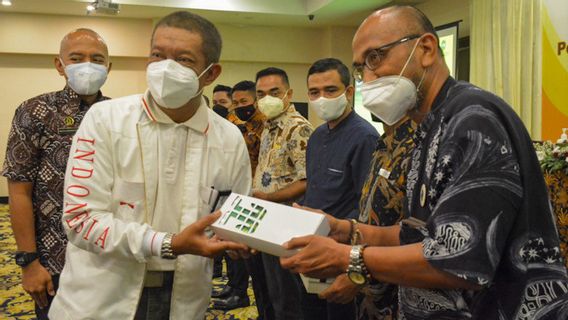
[334, 177]
[128, 200]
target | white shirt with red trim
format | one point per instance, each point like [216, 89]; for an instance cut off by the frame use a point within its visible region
[117, 205]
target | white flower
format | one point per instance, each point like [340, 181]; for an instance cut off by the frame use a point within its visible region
[540, 155]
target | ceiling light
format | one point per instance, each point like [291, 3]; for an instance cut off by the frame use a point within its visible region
[7, 2]
[105, 7]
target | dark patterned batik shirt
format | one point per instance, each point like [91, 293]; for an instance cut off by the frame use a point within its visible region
[37, 152]
[382, 201]
[252, 131]
[476, 183]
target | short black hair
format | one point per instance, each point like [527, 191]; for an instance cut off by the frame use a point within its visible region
[246, 85]
[211, 42]
[327, 64]
[223, 88]
[273, 71]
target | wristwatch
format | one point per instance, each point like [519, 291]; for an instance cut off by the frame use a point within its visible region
[166, 250]
[24, 258]
[357, 272]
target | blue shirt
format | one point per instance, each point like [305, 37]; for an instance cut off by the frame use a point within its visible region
[337, 164]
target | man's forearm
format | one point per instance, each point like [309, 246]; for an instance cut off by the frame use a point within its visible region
[406, 266]
[380, 236]
[21, 215]
[289, 193]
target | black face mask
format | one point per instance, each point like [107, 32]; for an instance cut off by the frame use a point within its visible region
[220, 110]
[244, 113]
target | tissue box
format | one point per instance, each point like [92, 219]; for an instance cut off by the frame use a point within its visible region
[265, 225]
[316, 286]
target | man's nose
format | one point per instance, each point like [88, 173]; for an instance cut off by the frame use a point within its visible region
[369, 75]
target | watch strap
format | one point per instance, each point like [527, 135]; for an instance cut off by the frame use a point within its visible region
[166, 249]
[24, 258]
[357, 264]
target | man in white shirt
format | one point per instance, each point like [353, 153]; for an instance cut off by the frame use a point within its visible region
[143, 175]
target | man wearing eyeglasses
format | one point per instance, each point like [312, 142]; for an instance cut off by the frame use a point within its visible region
[480, 240]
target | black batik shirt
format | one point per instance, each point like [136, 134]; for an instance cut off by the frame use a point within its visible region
[476, 183]
[37, 152]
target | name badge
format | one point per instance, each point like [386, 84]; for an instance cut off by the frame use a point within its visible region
[384, 173]
[67, 131]
[69, 128]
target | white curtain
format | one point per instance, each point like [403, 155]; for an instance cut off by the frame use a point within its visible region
[506, 54]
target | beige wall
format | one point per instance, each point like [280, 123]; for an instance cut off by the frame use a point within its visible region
[29, 43]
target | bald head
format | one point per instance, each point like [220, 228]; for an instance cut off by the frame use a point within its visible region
[400, 40]
[402, 20]
[81, 45]
[82, 35]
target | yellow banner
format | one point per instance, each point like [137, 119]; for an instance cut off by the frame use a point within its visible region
[554, 68]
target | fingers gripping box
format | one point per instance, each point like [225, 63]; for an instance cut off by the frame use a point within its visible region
[266, 226]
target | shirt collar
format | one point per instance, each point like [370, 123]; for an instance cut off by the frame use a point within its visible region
[342, 123]
[279, 121]
[75, 101]
[199, 122]
[425, 125]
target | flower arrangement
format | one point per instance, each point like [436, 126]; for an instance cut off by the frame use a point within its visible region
[553, 157]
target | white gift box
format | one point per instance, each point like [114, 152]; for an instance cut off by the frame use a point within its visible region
[316, 286]
[266, 226]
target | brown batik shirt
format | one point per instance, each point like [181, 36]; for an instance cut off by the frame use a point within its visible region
[282, 155]
[252, 131]
[382, 202]
[37, 152]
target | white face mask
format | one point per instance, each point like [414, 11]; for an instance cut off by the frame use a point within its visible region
[390, 97]
[329, 109]
[85, 78]
[171, 84]
[271, 106]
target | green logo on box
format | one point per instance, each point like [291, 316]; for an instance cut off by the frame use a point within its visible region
[250, 217]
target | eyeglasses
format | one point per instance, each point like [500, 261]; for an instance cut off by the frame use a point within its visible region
[374, 57]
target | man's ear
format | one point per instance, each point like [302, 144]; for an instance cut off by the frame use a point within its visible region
[212, 74]
[349, 92]
[109, 67]
[430, 50]
[59, 67]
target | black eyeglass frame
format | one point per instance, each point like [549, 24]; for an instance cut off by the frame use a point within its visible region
[380, 51]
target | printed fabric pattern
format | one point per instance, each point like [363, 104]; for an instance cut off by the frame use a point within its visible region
[282, 154]
[382, 204]
[37, 152]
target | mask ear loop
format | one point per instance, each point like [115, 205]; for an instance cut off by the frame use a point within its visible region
[206, 69]
[199, 76]
[409, 57]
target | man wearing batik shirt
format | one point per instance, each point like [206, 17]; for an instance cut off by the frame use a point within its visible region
[248, 118]
[280, 175]
[36, 157]
[480, 242]
[251, 123]
[382, 201]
